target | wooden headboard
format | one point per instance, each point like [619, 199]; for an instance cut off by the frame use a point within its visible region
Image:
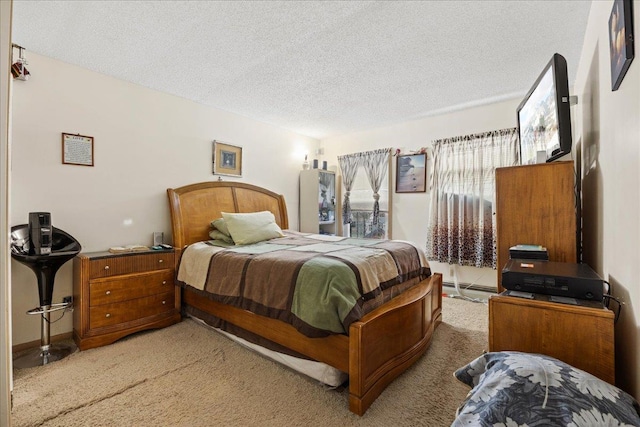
[194, 206]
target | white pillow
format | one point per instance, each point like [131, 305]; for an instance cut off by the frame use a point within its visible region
[247, 228]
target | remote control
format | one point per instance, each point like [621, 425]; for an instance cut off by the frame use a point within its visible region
[165, 246]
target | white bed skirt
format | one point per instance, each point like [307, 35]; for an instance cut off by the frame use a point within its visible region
[317, 370]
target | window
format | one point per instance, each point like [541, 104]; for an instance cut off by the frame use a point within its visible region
[365, 212]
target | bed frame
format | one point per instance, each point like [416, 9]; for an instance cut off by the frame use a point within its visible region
[373, 354]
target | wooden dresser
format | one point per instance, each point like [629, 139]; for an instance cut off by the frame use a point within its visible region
[115, 295]
[580, 335]
[536, 205]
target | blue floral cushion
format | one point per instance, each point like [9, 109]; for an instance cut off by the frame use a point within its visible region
[521, 389]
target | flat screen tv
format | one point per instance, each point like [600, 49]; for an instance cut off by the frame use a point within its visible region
[544, 116]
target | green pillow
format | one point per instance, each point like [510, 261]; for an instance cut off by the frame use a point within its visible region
[218, 235]
[220, 225]
[247, 228]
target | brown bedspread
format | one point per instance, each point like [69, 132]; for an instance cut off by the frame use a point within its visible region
[318, 284]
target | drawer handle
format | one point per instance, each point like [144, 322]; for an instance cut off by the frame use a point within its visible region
[106, 267]
[108, 292]
[108, 315]
[164, 302]
[160, 260]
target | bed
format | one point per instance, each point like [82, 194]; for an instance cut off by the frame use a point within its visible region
[377, 348]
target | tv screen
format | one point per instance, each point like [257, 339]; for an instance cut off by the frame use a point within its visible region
[544, 117]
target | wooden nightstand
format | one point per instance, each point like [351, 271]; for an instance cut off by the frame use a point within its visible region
[581, 336]
[115, 295]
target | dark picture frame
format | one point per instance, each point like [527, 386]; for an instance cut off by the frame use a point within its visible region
[621, 47]
[227, 159]
[77, 149]
[411, 173]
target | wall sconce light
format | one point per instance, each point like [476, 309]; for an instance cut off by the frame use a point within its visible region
[18, 69]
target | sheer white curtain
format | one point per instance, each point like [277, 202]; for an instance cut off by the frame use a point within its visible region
[365, 176]
[376, 164]
[461, 221]
[349, 164]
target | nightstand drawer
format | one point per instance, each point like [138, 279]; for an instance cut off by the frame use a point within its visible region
[110, 290]
[130, 263]
[121, 312]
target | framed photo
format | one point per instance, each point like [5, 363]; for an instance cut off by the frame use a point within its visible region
[620, 41]
[411, 173]
[77, 149]
[227, 159]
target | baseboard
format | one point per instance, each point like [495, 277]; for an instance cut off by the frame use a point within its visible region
[33, 344]
[471, 287]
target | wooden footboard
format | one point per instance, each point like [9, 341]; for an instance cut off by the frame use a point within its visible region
[380, 346]
[378, 353]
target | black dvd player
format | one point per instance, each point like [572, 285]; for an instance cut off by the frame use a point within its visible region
[563, 279]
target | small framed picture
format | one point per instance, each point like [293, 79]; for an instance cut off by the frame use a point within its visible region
[227, 159]
[77, 149]
[620, 41]
[411, 173]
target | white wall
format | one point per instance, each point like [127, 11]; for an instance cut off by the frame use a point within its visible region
[145, 142]
[607, 127]
[411, 210]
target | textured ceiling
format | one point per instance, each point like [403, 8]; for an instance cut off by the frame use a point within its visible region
[320, 68]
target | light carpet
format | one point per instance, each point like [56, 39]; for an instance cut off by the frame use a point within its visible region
[189, 375]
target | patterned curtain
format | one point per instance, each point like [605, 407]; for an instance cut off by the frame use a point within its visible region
[376, 164]
[348, 167]
[461, 222]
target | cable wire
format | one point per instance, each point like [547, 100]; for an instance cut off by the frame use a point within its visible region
[460, 295]
[608, 298]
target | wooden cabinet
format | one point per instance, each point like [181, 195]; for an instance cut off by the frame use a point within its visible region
[581, 336]
[115, 295]
[536, 204]
[318, 201]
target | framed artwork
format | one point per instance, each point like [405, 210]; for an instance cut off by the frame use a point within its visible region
[411, 173]
[77, 149]
[620, 41]
[227, 159]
